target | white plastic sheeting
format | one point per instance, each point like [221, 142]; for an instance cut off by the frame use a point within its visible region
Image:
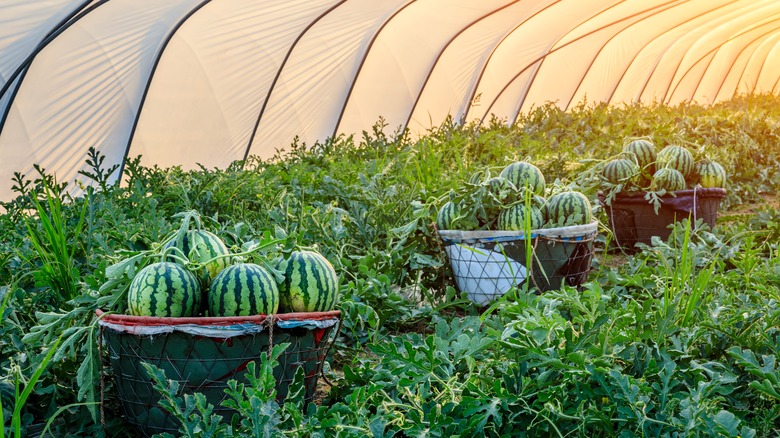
[183, 82]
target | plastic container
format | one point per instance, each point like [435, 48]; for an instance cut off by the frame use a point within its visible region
[633, 219]
[486, 264]
[203, 354]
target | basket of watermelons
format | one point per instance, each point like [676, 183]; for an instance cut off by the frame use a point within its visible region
[500, 232]
[202, 313]
[643, 192]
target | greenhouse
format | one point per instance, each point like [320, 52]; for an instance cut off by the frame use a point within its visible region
[398, 218]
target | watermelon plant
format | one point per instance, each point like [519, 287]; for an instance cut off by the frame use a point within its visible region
[677, 340]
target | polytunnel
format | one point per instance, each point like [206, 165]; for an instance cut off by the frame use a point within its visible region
[182, 82]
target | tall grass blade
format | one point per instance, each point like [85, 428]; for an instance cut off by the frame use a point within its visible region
[21, 399]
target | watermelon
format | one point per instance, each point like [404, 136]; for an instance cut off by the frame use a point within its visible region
[310, 283]
[710, 174]
[243, 289]
[523, 174]
[446, 216]
[513, 217]
[569, 208]
[164, 289]
[677, 158]
[644, 151]
[201, 246]
[499, 186]
[620, 171]
[667, 179]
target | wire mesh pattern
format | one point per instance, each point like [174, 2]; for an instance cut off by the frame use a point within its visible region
[486, 265]
[634, 220]
[205, 364]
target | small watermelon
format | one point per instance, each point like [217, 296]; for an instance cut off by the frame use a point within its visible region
[513, 217]
[164, 289]
[677, 158]
[620, 171]
[644, 151]
[523, 174]
[310, 283]
[569, 208]
[446, 216]
[201, 246]
[710, 174]
[500, 187]
[667, 179]
[243, 289]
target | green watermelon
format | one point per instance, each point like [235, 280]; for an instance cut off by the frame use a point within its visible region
[677, 158]
[513, 217]
[667, 179]
[569, 208]
[310, 283]
[523, 174]
[201, 246]
[710, 174]
[446, 216]
[644, 151]
[164, 289]
[620, 171]
[500, 187]
[243, 289]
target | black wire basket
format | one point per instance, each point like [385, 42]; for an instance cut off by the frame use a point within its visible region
[203, 354]
[486, 264]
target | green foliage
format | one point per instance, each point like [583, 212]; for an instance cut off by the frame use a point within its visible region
[680, 339]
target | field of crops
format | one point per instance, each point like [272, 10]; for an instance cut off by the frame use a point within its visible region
[678, 339]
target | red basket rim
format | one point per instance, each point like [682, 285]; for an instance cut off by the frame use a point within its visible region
[115, 318]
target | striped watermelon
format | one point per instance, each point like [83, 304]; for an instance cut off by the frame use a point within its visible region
[667, 179]
[620, 171]
[243, 289]
[513, 217]
[541, 203]
[644, 151]
[446, 216]
[523, 174]
[569, 208]
[677, 158]
[499, 186]
[710, 174]
[164, 289]
[201, 246]
[310, 283]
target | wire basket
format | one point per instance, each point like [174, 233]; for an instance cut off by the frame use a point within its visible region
[486, 264]
[203, 354]
[633, 219]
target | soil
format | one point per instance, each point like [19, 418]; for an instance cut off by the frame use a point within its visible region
[323, 386]
[767, 200]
